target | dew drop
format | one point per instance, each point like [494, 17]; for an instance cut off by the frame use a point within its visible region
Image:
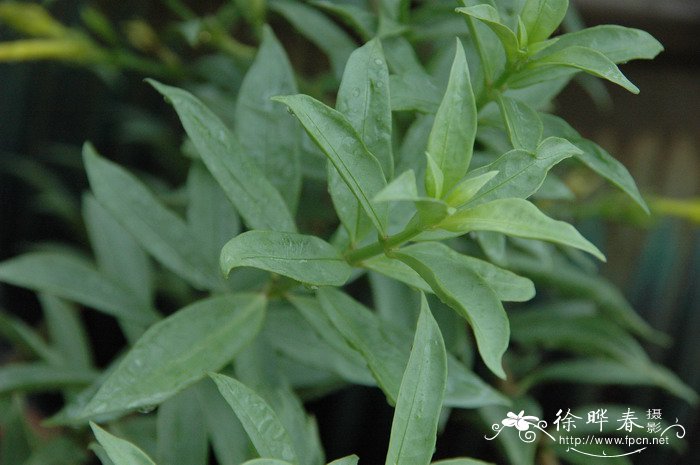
[147, 409]
[378, 62]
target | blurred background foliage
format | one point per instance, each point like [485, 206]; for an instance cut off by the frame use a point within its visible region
[78, 75]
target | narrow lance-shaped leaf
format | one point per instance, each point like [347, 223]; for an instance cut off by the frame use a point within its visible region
[178, 351]
[265, 131]
[451, 140]
[542, 17]
[467, 293]
[307, 259]
[120, 451]
[156, 228]
[490, 17]
[66, 331]
[567, 61]
[522, 123]
[182, 436]
[258, 202]
[74, 279]
[363, 98]
[349, 460]
[359, 19]
[28, 377]
[519, 218]
[336, 137]
[414, 428]
[262, 424]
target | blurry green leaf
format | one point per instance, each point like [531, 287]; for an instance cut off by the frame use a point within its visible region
[156, 228]
[23, 336]
[451, 140]
[66, 331]
[393, 300]
[414, 427]
[265, 131]
[598, 371]
[182, 436]
[320, 31]
[349, 460]
[228, 438]
[258, 202]
[520, 174]
[620, 44]
[70, 49]
[117, 253]
[41, 377]
[307, 259]
[121, 452]
[334, 134]
[57, 451]
[567, 61]
[178, 351]
[522, 123]
[542, 17]
[31, 19]
[259, 420]
[360, 20]
[519, 218]
[74, 279]
[363, 98]
[467, 293]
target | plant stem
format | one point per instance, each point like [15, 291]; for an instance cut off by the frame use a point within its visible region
[383, 245]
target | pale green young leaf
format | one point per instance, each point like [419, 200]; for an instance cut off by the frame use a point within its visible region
[255, 198]
[519, 218]
[419, 403]
[458, 286]
[266, 133]
[307, 259]
[30, 377]
[262, 424]
[359, 19]
[345, 149]
[451, 140]
[404, 189]
[76, 280]
[520, 174]
[117, 253]
[182, 435]
[178, 351]
[468, 188]
[600, 371]
[120, 451]
[568, 61]
[542, 17]
[157, 229]
[522, 123]
[434, 177]
[210, 214]
[320, 31]
[363, 98]
[66, 331]
[490, 17]
[349, 460]
[620, 44]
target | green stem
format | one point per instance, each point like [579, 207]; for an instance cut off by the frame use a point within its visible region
[381, 246]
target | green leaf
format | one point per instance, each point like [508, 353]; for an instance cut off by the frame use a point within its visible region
[418, 407]
[597, 371]
[349, 460]
[74, 279]
[620, 44]
[520, 174]
[519, 218]
[360, 20]
[25, 339]
[178, 351]
[228, 438]
[468, 188]
[267, 462]
[467, 293]
[336, 137]
[182, 436]
[405, 98]
[461, 461]
[319, 30]
[451, 140]
[119, 451]
[66, 331]
[542, 17]
[258, 202]
[567, 61]
[490, 17]
[156, 228]
[117, 253]
[41, 377]
[404, 189]
[522, 123]
[262, 424]
[258, 118]
[307, 259]
[363, 98]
